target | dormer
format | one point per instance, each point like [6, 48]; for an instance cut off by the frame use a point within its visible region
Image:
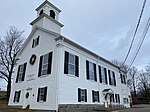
[48, 17]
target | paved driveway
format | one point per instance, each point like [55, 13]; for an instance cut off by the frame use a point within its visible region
[137, 108]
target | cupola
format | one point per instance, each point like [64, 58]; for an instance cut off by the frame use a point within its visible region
[48, 17]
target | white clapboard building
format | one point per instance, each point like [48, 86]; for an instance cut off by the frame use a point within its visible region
[53, 70]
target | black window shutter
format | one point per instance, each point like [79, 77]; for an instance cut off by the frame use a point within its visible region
[33, 43]
[85, 95]
[40, 66]
[118, 98]
[109, 77]
[49, 63]
[87, 69]
[77, 66]
[18, 96]
[66, 62]
[79, 95]
[45, 94]
[114, 78]
[38, 94]
[105, 75]
[93, 96]
[38, 40]
[124, 79]
[100, 74]
[95, 75]
[98, 96]
[24, 71]
[121, 77]
[18, 73]
[14, 97]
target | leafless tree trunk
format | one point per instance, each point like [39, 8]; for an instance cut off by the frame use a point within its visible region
[9, 47]
[133, 74]
[144, 84]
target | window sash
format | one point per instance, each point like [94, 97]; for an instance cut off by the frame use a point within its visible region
[44, 68]
[41, 94]
[103, 75]
[91, 71]
[82, 95]
[95, 96]
[20, 74]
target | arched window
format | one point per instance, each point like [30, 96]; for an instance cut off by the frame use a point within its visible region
[52, 14]
[41, 12]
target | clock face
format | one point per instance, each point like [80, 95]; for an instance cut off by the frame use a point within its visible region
[32, 59]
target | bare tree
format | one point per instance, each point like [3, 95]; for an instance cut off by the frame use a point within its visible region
[133, 74]
[144, 84]
[120, 64]
[9, 47]
[147, 68]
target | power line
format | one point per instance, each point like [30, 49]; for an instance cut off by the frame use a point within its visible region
[137, 26]
[140, 42]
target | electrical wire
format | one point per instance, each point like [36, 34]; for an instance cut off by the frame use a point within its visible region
[137, 26]
[140, 43]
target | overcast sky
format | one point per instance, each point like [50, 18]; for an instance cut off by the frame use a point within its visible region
[105, 27]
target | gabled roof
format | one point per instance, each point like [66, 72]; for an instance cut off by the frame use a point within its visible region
[32, 33]
[47, 2]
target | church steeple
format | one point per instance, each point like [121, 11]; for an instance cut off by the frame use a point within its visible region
[48, 17]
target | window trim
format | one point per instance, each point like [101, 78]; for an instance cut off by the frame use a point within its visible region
[39, 96]
[66, 64]
[88, 71]
[17, 96]
[80, 95]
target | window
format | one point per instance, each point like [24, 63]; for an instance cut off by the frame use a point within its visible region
[17, 96]
[112, 99]
[21, 72]
[71, 64]
[82, 95]
[125, 100]
[35, 42]
[117, 97]
[52, 14]
[45, 64]
[123, 79]
[95, 96]
[41, 12]
[102, 75]
[112, 80]
[42, 94]
[91, 71]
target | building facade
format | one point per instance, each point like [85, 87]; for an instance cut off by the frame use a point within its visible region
[53, 70]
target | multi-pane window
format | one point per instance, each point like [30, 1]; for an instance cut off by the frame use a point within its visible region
[82, 95]
[123, 78]
[112, 80]
[112, 99]
[117, 97]
[21, 72]
[102, 74]
[125, 100]
[95, 96]
[17, 96]
[71, 64]
[91, 71]
[42, 94]
[45, 64]
[35, 42]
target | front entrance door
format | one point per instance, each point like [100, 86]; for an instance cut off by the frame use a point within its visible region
[28, 95]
